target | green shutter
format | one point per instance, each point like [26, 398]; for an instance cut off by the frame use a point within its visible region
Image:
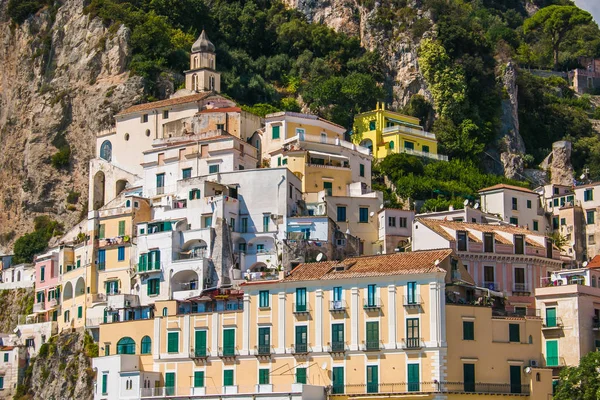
[372, 379]
[263, 376]
[229, 342]
[468, 330]
[79, 312]
[198, 378]
[301, 375]
[121, 228]
[228, 377]
[513, 333]
[337, 380]
[104, 383]
[200, 343]
[413, 377]
[372, 335]
[552, 353]
[275, 129]
[173, 342]
[101, 231]
[170, 383]
[469, 377]
[515, 379]
[551, 317]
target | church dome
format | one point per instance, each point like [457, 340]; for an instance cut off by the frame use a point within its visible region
[203, 45]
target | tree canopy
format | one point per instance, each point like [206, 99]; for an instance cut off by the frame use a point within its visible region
[581, 382]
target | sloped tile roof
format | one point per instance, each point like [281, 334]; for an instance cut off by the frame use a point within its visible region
[504, 186]
[417, 262]
[166, 103]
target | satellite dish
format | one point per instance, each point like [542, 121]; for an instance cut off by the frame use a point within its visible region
[585, 264]
[527, 370]
[476, 206]
[436, 262]
[466, 202]
[582, 176]
[319, 256]
[324, 366]
[372, 213]
[348, 231]
[381, 207]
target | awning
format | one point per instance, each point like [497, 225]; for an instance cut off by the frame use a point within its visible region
[318, 153]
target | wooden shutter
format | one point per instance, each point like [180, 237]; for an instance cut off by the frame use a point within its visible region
[200, 343]
[173, 342]
[198, 378]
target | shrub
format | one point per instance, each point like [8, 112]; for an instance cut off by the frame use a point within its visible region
[73, 197]
[20, 10]
[62, 158]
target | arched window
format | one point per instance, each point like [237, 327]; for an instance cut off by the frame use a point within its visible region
[537, 377]
[530, 339]
[126, 346]
[392, 145]
[106, 150]
[146, 345]
[128, 203]
[165, 312]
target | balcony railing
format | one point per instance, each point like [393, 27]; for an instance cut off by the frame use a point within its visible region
[429, 387]
[228, 352]
[521, 288]
[491, 285]
[263, 350]
[39, 307]
[372, 345]
[552, 323]
[301, 308]
[406, 129]
[199, 353]
[147, 268]
[337, 347]
[300, 348]
[412, 301]
[412, 343]
[373, 303]
[337, 306]
[555, 362]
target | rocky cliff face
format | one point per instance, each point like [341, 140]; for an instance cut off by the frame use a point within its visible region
[62, 77]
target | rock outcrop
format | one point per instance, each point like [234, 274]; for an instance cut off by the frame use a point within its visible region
[62, 77]
[14, 303]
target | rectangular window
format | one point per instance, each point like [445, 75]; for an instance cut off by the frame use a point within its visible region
[263, 376]
[279, 161]
[403, 221]
[552, 353]
[173, 342]
[263, 301]
[220, 127]
[551, 317]
[361, 169]
[588, 195]
[536, 226]
[207, 221]
[337, 337]
[228, 342]
[461, 238]
[371, 295]
[337, 380]
[563, 221]
[411, 291]
[425, 149]
[80, 312]
[372, 125]
[392, 222]
[153, 286]
[275, 131]
[160, 183]
[266, 219]
[549, 248]
[232, 224]
[79, 263]
[469, 377]
[337, 293]
[101, 230]
[590, 217]
[242, 247]
[186, 173]
[515, 378]
[372, 379]
[101, 259]
[528, 203]
[591, 239]
[413, 378]
[260, 248]
[264, 340]
[301, 375]
[468, 330]
[413, 339]
[514, 220]
[104, 384]
[301, 299]
[165, 114]
[519, 244]
[341, 214]
[244, 225]
[5, 357]
[121, 228]
[144, 118]
[121, 253]
[488, 277]
[228, 377]
[554, 222]
[363, 214]
[514, 334]
[170, 383]
[514, 204]
[42, 274]
[488, 242]
[213, 169]
[372, 342]
[200, 343]
[198, 378]
[328, 188]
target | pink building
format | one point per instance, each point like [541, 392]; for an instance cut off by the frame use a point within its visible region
[501, 258]
[47, 286]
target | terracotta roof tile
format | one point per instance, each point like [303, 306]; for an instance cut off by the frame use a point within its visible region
[417, 262]
[504, 186]
[165, 103]
[222, 109]
[594, 263]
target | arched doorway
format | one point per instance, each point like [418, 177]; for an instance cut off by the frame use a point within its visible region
[368, 143]
[184, 281]
[98, 193]
[120, 186]
[68, 291]
[79, 287]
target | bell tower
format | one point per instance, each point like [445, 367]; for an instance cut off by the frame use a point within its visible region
[202, 76]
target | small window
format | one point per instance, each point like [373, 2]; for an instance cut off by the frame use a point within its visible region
[461, 237]
[145, 118]
[403, 221]
[263, 301]
[425, 149]
[392, 222]
[165, 114]
[536, 226]
[213, 169]
[186, 173]
[519, 244]
[514, 221]
[588, 195]
[563, 221]
[362, 170]
[127, 137]
[363, 214]
[514, 334]
[488, 242]
[468, 330]
[220, 127]
[275, 131]
[173, 342]
[165, 311]
[514, 204]
[528, 203]
[341, 214]
[591, 239]
[372, 125]
[590, 217]
[392, 145]
[121, 253]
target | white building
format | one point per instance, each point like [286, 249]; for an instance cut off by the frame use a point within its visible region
[395, 230]
[18, 276]
[119, 377]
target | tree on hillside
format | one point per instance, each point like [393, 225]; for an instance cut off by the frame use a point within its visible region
[581, 382]
[556, 22]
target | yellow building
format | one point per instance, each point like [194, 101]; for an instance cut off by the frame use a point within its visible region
[386, 132]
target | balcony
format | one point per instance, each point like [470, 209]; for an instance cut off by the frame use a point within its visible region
[294, 391]
[39, 307]
[329, 166]
[337, 306]
[151, 267]
[199, 354]
[98, 298]
[412, 301]
[300, 349]
[270, 275]
[337, 348]
[228, 352]
[521, 288]
[412, 343]
[552, 324]
[417, 388]
[554, 362]
[372, 345]
[373, 303]
[263, 350]
[301, 308]
[122, 301]
[491, 285]
[114, 241]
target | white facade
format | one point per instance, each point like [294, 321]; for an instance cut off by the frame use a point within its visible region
[514, 205]
[119, 377]
[18, 276]
[395, 229]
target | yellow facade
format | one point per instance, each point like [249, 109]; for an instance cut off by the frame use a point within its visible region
[386, 132]
[313, 176]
